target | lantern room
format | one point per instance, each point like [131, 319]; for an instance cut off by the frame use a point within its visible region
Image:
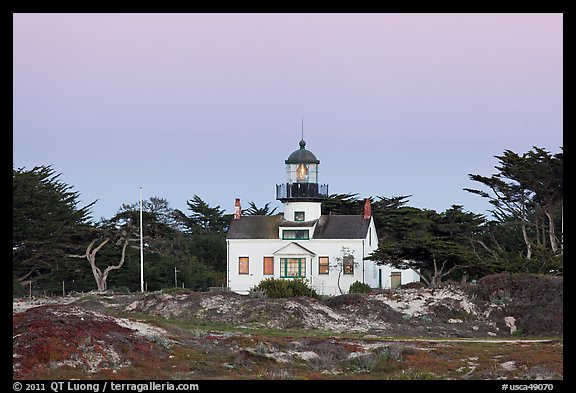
[301, 178]
[302, 166]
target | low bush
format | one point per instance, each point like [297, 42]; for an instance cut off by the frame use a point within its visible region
[536, 301]
[281, 288]
[359, 287]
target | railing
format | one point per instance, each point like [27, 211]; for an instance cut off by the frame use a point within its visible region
[301, 191]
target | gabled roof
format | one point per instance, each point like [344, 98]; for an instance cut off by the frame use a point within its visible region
[333, 226]
[255, 227]
[293, 248]
[327, 227]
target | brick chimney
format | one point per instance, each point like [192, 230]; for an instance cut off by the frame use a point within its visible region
[367, 209]
[237, 209]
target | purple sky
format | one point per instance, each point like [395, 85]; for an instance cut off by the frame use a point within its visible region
[211, 104]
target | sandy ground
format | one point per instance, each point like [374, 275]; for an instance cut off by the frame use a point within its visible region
[95, 334]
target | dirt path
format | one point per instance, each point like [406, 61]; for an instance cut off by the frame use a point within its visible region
[475, 340]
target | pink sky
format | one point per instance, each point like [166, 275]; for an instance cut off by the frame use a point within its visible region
[393, 104]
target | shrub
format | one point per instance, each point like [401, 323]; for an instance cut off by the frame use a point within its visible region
[359, 287]
[536, 301]
[280, 288]
[362, 363]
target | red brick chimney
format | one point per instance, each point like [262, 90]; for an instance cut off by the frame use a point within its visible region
[237, 209]
[367, 209]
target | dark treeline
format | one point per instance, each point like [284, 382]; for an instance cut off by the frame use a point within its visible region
[58, 248]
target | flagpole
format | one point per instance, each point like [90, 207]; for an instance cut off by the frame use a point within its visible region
[141, 247]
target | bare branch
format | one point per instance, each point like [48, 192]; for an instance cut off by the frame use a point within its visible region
[99, 247]
[114, 267]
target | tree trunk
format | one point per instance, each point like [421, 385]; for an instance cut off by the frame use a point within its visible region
[426, 281]
[437, 277]
[340, 289]
[100, 276]
[537, 230]
[438, 273]
[524, 232]
[101, 283]
[91, 256]
[552, 232]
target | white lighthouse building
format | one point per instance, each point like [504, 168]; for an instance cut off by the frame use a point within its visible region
[328, 251]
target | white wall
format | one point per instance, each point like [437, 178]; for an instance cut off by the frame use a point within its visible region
[324, 284]
[312, 210]
[327, 284]
[407, 276]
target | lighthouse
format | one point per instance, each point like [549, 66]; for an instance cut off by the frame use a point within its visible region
[327, 251]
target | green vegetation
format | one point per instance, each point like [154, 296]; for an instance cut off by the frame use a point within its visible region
[359, 287]
[281, 288]
[524, 236]
[52, 234]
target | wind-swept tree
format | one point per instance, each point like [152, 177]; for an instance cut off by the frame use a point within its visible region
[101, 276]
[113, 238]
[46, 222]
[394, 219]
[119, 231]
[528, 192]
[167, 250]
[435, 246]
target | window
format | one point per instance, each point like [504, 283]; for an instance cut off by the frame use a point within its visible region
[323, 266]
[269, 265]
[348, 264]
[291, 234]
[243, 265]
[292, 267]
[299, 216]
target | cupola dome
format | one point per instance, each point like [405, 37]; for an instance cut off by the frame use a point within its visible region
[302, 156]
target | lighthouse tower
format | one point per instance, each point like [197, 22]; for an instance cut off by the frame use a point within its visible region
[301, 194]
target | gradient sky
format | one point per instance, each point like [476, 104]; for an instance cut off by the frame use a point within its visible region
[212, 104]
